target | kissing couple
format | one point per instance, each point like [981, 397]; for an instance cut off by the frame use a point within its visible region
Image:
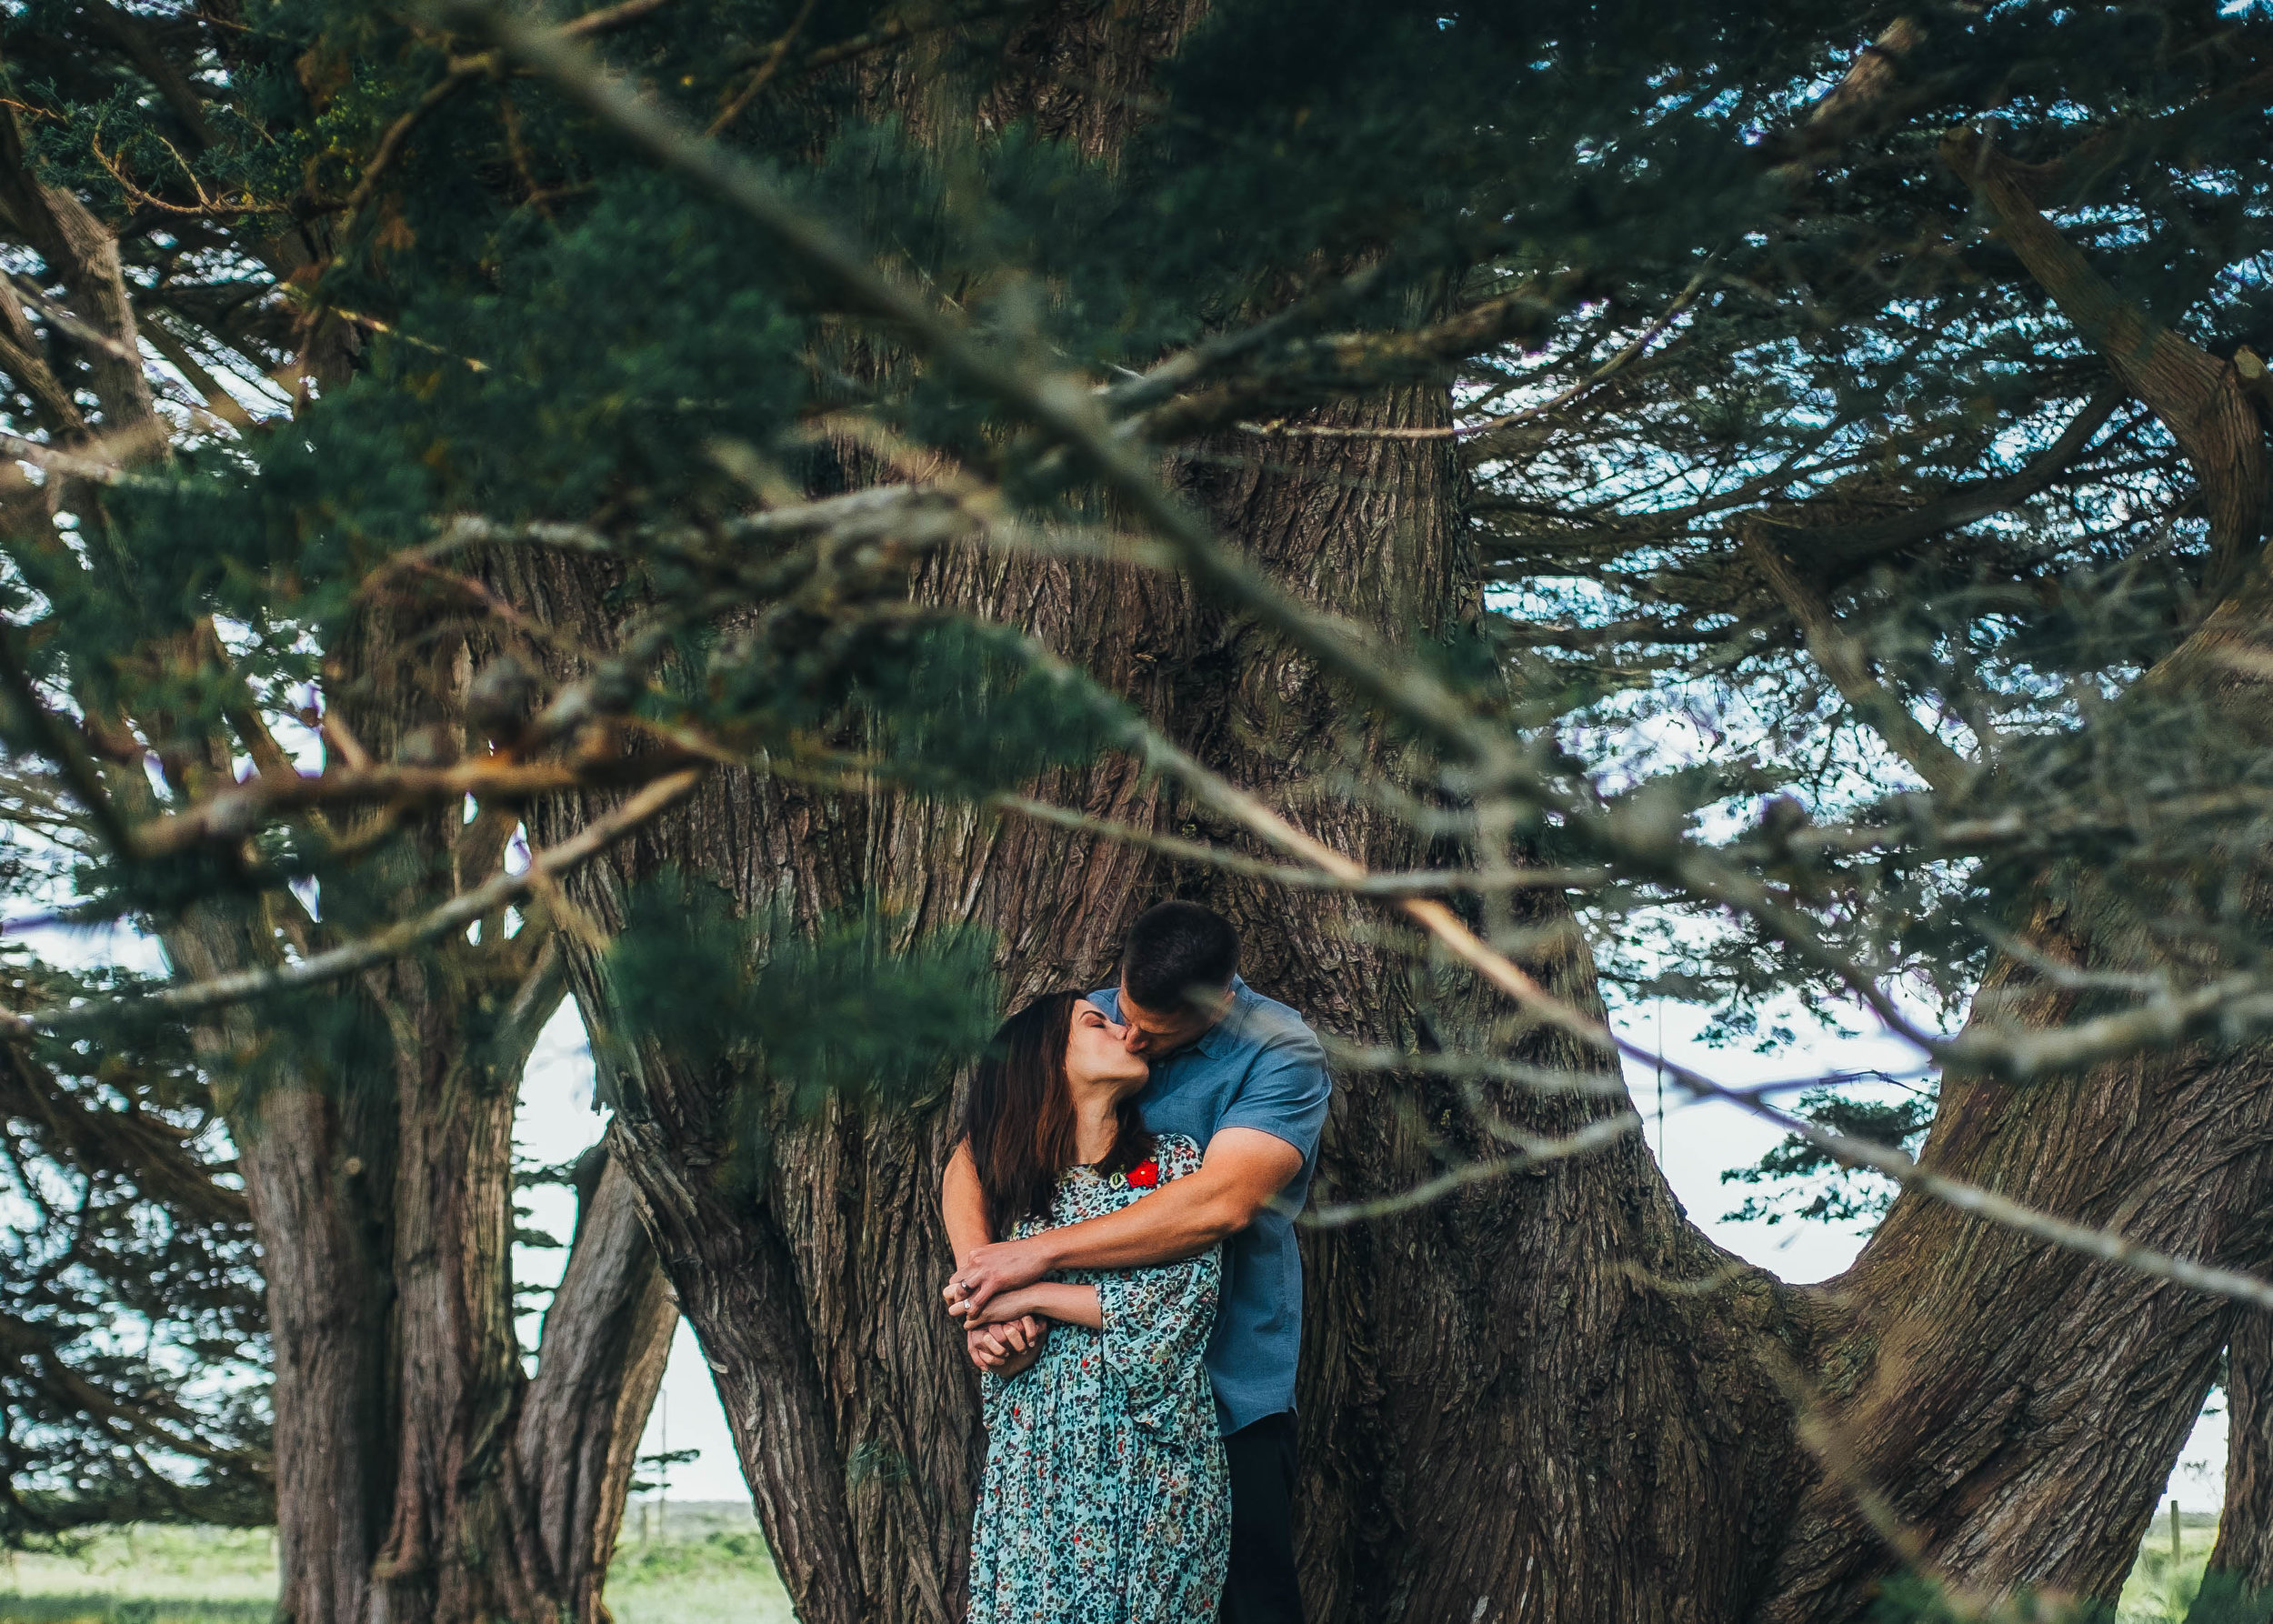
[1121, 1205]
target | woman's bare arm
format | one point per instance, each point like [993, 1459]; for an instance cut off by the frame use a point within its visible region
[963, 1205]
[1008, 1345]
[1048, 1299]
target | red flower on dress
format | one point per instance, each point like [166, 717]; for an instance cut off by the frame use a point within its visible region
[1144, 1175]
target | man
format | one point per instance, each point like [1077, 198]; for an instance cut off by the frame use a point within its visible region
[1245, 1079]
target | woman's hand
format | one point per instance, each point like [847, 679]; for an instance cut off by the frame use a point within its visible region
[1007, 1347]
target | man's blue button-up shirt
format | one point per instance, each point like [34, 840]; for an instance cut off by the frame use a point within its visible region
[1259, 1066]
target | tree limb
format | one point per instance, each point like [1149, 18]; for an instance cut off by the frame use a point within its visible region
[1842, 659]
[83, 254]
[128, 33]
[191, 997]
[234, 814]
[1526, 991]
[2198, 397]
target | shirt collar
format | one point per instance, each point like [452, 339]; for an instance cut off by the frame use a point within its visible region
[1223, 1037]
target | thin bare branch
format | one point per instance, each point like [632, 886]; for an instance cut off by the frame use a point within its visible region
[1423, 882]
[460, 911]
[234, 814]
[1534, 1150]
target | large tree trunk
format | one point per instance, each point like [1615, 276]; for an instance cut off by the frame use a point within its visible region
[2017, 1407]
[608, 1336]
[420, 1475]
[505, 1494]
[2243, 1556]
[1507, 1412]
[813, 1280]
[1447, 1473]
[457, 1546]
[311, 1158]
[1512, 1407]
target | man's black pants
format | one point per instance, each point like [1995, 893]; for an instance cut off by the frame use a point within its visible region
[1260, 1587]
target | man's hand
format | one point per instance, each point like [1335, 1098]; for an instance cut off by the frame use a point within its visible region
[1009, 1347]
[999, 1266]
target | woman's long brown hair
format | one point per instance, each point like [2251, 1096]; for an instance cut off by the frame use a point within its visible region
[1019, 1118]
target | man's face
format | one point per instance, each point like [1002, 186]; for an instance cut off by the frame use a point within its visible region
[1156, 1033]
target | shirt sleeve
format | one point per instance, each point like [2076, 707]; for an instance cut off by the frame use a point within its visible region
[1285, 1094]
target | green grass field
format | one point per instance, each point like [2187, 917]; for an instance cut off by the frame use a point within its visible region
[2160, 1589]
[709, 1566]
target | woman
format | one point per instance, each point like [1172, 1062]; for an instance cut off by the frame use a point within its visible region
[1106, 1499]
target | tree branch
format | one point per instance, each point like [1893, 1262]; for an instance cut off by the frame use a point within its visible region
[1851, 546]
[234, 814]
[84, 254]
[1528, 994]
[1066, 413]
[1842, 660]
[191, 997]
[2198, 397]
[130, 36]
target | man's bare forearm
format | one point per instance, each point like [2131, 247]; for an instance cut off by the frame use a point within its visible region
[1177, 1221]
[1243, 1169]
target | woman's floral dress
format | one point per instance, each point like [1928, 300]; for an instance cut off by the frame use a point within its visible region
[1106, 1499]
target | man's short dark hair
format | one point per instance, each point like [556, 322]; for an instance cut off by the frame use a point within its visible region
[1176, 949]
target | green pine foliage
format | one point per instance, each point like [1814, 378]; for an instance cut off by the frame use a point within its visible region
[858, 1007]
[132, 1348]
[1799, 1179]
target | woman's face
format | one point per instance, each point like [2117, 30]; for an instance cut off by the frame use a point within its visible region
[1097, 1051]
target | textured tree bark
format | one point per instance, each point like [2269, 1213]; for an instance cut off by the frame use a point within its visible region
[455, 1546]
[2017, 1407]
[322, 1251]
[606, 1337]
[2244, 1552]
[509, 1490]
[506, 1505]
[1516, 1404]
